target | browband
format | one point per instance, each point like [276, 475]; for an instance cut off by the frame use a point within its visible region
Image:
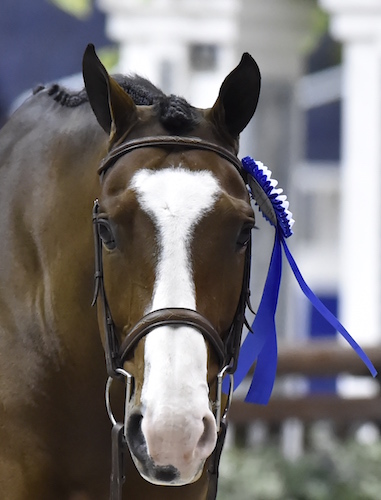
[167, 140]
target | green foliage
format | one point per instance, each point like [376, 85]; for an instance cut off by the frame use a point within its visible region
[342, 472]
[109, 56]
[77, 8]
[82, 9]
[319, 26]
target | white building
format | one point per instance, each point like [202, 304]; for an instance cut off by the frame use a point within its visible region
[185, 47]
[357, 24]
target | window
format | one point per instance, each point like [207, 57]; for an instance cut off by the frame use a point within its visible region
[203, 57]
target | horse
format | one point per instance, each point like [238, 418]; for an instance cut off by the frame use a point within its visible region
[125, 197]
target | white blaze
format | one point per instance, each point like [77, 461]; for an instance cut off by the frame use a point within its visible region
[176, 199]
[175, 391]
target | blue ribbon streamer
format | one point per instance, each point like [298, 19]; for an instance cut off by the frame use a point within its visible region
[326, 313]
[261, 345]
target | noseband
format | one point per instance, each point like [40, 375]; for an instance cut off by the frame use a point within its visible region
[173, 317]
[116, 352]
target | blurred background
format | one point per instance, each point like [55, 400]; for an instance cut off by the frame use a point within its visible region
[318, 128]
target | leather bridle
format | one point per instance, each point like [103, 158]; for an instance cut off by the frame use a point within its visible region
[116, 352]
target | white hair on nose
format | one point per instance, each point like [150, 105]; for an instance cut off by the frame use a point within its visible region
[175, 400]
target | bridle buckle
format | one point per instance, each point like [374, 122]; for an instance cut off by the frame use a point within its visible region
[221, 417]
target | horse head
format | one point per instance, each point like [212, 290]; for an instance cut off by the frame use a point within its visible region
[173, 222]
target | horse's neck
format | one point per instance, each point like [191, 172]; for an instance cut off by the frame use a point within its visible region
[48, 161]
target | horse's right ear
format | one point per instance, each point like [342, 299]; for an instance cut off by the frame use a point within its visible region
[238, 97]
[112, 106]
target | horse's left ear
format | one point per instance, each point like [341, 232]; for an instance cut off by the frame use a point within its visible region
[238, 97]
[113, 107]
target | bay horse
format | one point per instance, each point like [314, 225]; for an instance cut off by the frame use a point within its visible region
[169, 244]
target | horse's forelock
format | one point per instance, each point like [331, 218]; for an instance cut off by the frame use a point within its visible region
[176, 114]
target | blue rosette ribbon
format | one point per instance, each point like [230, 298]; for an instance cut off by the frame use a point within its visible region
[260, 345]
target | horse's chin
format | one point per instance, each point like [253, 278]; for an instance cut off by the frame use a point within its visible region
[166, 475]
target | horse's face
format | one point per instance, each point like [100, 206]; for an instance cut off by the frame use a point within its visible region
[180, 237]
[178, 223]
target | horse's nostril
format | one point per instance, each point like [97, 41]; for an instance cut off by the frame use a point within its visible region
[166, 474]
[209, 434]
[135, 437]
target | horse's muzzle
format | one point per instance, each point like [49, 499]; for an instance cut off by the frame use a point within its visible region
[170, 455]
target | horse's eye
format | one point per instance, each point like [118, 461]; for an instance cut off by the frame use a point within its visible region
[106, 234]
[244, 236]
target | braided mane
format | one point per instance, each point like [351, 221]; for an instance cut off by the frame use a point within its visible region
[174, 112]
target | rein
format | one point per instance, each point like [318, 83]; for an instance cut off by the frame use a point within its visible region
[116, 352]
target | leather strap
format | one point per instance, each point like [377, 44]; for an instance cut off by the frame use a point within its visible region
[165, 141]
[118, 450]
[111, 340]
[214, 463]
[174, 316]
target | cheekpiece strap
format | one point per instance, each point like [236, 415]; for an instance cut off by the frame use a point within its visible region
[260, 345]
